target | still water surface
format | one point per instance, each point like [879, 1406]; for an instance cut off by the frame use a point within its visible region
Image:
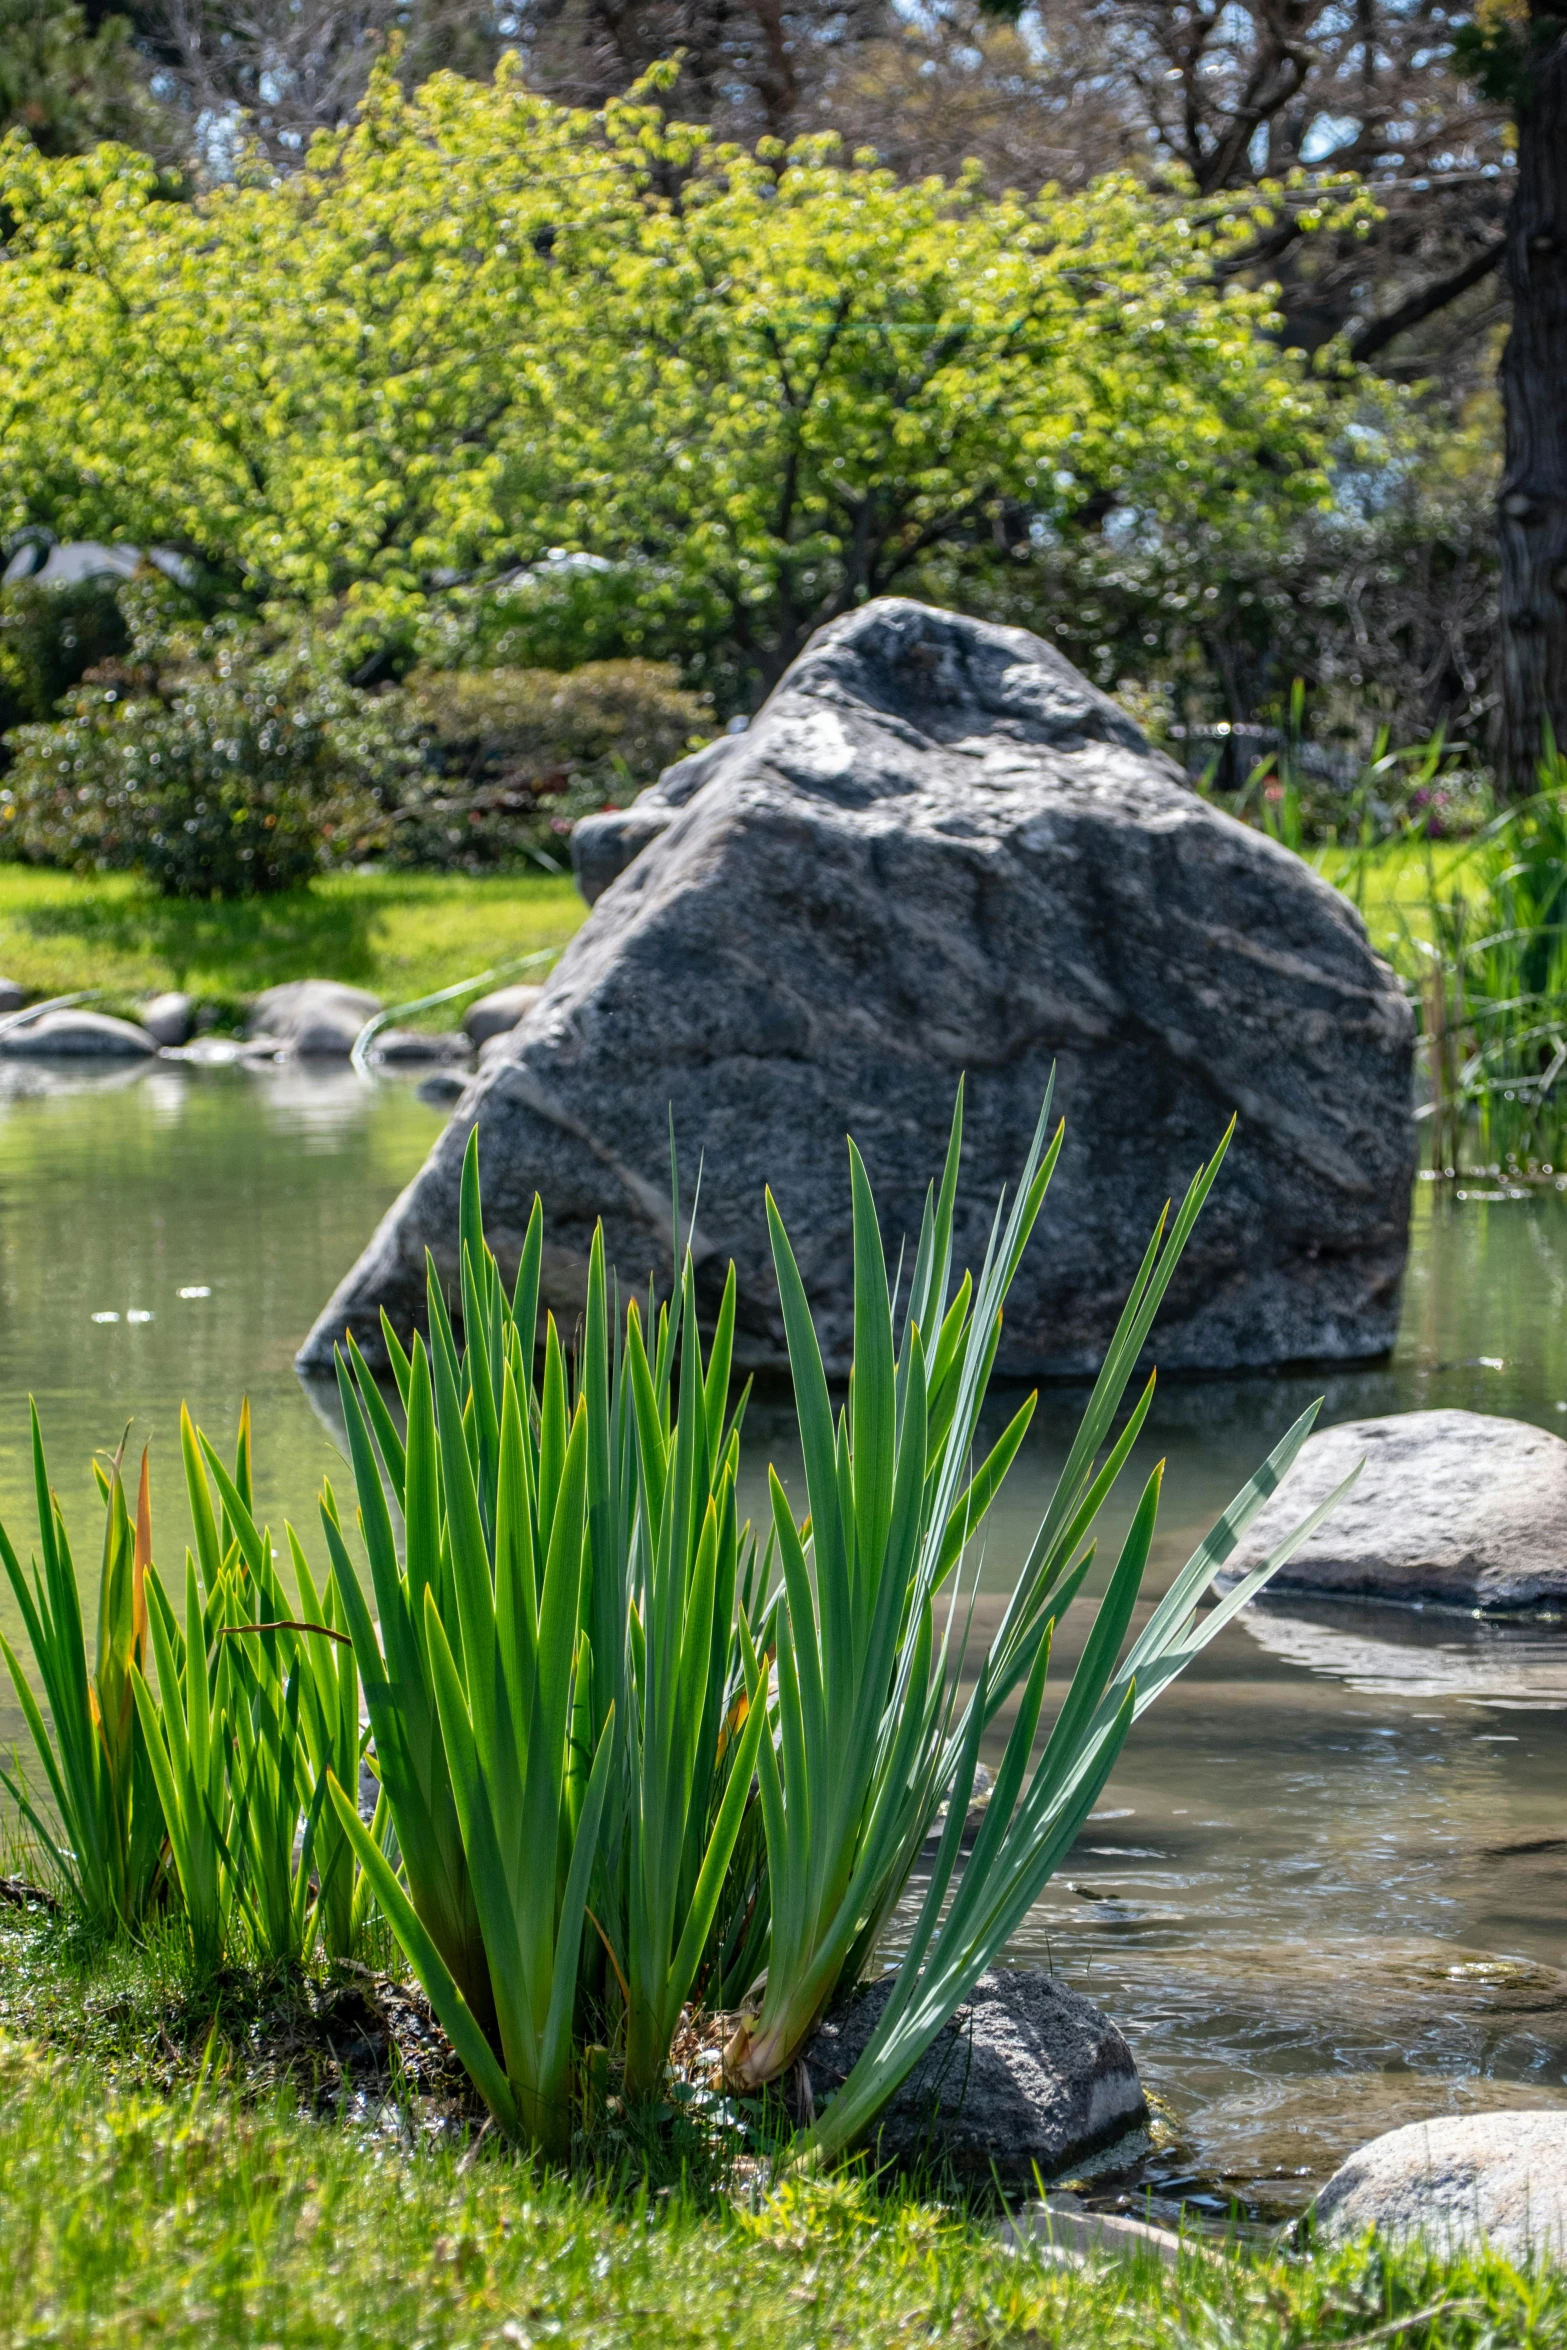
[1327, 1889]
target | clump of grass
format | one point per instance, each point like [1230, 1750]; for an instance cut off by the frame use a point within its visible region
[1481, 942]
[624, 1771]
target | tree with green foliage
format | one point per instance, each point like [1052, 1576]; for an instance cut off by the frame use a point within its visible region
[753, 388]
[66, 80]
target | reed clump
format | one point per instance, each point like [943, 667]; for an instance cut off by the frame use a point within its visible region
[634, 1760]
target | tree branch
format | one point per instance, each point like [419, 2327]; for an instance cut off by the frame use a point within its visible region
[1432, 298]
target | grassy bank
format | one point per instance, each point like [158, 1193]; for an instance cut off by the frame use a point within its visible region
[401, 935]
[131, 2218]
[161, 2181]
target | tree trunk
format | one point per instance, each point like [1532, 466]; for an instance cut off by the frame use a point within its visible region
[1532, 502]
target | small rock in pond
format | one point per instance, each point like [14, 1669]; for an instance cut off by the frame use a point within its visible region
[494, 1015]
[12, 996]
[1027, 2074]
[1456, 1507]
[442, 1088]
[316, 1018]
[170, 1019]
[603, 846]
[75, 1032]
[400, 1045]
[1458, 2182]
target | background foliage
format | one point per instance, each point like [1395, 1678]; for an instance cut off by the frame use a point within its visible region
[476, 327]
[218, 762]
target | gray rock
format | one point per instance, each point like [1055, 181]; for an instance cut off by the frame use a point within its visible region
[400, 1045]
[603, 846]
[442, 1089]
[498, 1048]
[939, 850]
[316, 1018]
[496, 1014]
[1027, 2075]
[1458, 2182]
[1450, 1506]
[1061, 2230]
[12, 996]
[75, 1032]
[170, 1019]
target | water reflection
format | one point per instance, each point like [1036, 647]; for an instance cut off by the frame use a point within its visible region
[1415, 1652]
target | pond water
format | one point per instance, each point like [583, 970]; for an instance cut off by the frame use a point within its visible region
[1326, 1891]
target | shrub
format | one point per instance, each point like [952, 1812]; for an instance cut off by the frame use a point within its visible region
[49, 638]
[221, 765]
[511, 757]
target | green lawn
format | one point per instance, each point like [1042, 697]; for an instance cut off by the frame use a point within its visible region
[130, 2219]
[160, 2183]
[402, 935]
[1393, 884]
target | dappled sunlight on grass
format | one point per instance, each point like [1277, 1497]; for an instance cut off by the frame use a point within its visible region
[400, 935]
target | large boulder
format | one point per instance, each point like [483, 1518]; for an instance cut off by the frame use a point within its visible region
[1458, 2183]
[74, 1033]
[1456, 1507]
[1026, 2075]
[319, 1019]
[937, 851]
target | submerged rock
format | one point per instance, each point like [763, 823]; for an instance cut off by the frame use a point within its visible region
[939, 851]
[75, 1032]
[498, 1013]
[443, 1088]
[1458, 2182]
[399, 1045]
[316, 1018]
[1456, 1507]
[1027, 2075]
[170, 1019]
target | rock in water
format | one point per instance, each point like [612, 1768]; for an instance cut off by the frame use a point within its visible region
[1026, 2074]
[75, 1033]
[170, 1019]
[497, 1014]
[317, 1018]
[1459, 2182]
[399, 1045]
[939, 850]
[1457, 1507]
